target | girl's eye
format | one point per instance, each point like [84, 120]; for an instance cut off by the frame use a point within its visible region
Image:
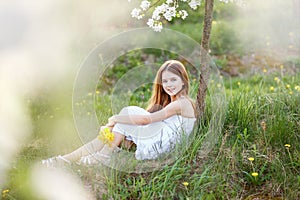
[173, 79]
[164, 81]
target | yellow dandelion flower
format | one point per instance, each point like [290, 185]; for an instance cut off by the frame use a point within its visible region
[5, 192]
[287, 145]
[290, 92]
[239, 83]
[288, 86]
[214, 22]
[277, 79]
[185, 184]
[281, 66]
[106, 136]
[265, 70]
[251, 159]
[97, 92]
[272, 89]
[254, 174]
[297, 87]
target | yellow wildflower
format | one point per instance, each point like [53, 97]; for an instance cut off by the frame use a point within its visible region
[287, 145]
[5, 192]
[288, 86]
[251, 159]
[281, 66]
[218, 85]
[106, 136]
[265, 70]
[185, 184]
[97, 91]
[214, 22]
[297, 87]
[277, 79]
[239, 83]
[272, 89]
[290, 92]
[254, 174]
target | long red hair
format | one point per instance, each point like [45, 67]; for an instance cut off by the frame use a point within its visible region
[160, 98]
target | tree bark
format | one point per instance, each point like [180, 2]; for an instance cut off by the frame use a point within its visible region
[205, 68]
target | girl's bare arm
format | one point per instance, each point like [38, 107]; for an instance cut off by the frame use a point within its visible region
[170, 110]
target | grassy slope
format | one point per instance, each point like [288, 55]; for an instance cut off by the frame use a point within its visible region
[263, 116]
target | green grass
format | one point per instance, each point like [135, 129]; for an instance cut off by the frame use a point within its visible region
[260, 121]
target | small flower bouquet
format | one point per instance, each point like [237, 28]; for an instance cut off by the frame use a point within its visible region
[106, 136]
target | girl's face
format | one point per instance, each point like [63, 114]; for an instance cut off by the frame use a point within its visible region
[171, 83]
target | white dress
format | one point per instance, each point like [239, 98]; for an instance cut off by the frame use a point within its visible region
[156, 138]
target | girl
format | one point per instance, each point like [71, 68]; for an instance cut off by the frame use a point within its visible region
[170, 114]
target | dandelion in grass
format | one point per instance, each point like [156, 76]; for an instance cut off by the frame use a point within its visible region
[297, 87]
[4, 193]
[272, 89]
[263, 125]
[290, 92]
[251, 159]
[254, 174]
[238, 83]
[277, 79]
[185, 184]
[288, 86]
[106, 136]
[281, 66]
[97, 92]
[265, 70]
[287, 146]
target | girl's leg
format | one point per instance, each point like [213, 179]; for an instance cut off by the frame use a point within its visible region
[91, 147]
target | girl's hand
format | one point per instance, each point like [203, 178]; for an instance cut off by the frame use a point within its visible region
[111, 121]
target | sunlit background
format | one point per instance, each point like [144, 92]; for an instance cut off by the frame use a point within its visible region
[42, 44]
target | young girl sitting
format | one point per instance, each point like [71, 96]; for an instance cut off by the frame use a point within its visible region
[170, 114]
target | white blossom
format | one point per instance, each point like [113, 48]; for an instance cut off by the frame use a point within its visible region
[170, 2]
[145, 5]
[183, 14]
[170, 13]
[159, 10]
[150, 22]
[194, 4]
[157, 27]
[135, 13]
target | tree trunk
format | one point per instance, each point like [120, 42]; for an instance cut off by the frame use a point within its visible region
[205, 68]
